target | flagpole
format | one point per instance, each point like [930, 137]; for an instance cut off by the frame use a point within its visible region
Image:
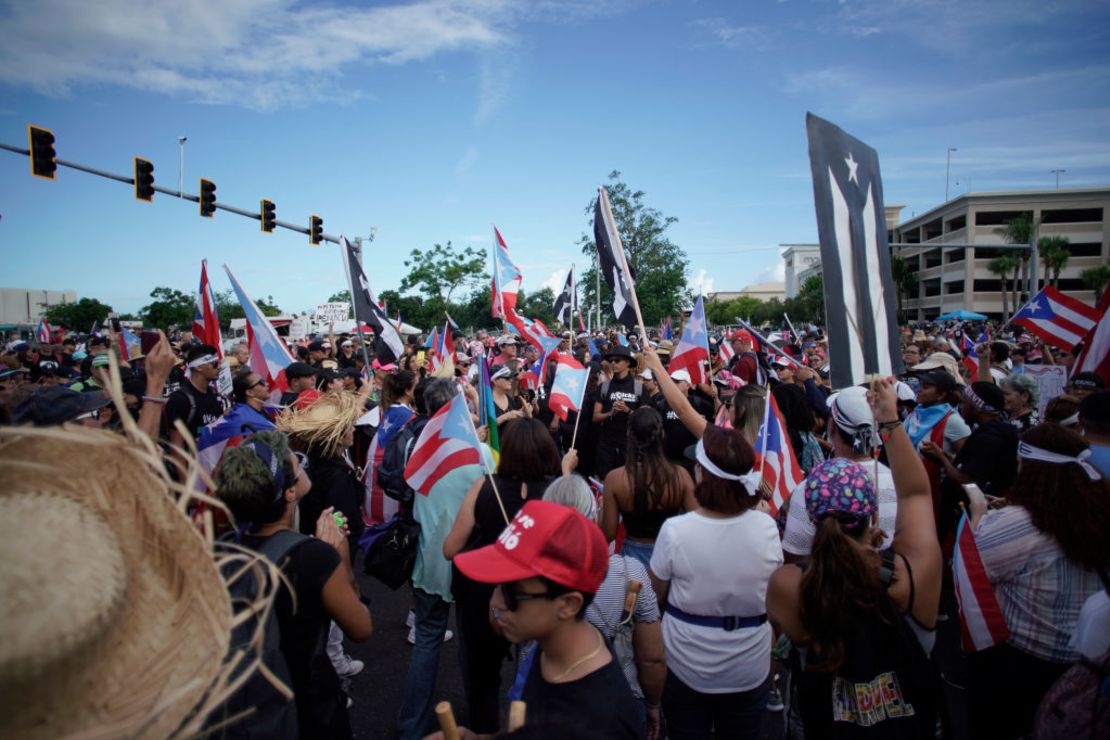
[578, 418]
[485, 466]
[766, 433]
[767, 341]
[358, 322]
[624, 262]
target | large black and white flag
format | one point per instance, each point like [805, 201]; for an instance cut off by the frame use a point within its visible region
[611, 261]
[566, 302]
[389, 346]
[860, 302]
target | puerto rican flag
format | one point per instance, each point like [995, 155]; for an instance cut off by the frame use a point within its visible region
[44, 334]
[569, 387]
[970, 357]
[1057, 318]
[982, 623]
[1095, 356]
[506, 279]
[692, 351]
[447, 442]
[667, 334]
[227, 432]
[376, 506]
[268, 355]
[725, 351]
[777, 464]
[206, 323]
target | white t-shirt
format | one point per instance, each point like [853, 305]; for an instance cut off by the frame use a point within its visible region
[800, 529]
[717, 567]
[1091, 638]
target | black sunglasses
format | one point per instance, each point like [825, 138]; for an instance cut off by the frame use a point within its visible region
[513, 597]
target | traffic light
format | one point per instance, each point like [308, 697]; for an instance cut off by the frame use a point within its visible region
[43, 158]
[269, 216]
[144, 180]
[207, 198]
[315, 230]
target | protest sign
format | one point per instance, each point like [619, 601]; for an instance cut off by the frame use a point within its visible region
[298, 328]
[1051, 380]
[327, 313]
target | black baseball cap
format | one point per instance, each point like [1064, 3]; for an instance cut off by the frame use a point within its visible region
[941, 379]
[299, 370]
[52, 405]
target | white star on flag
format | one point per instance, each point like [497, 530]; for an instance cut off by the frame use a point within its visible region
[853, 165]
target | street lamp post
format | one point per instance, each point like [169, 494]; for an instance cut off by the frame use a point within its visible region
[181, 166]
[947, 170]
[1057, 173]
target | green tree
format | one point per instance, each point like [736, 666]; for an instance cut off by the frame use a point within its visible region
[538, 306]
[1006, 266]
[903, 277]
[809, 304]
[343, 296]
[1055, 253]
[77, 316]
[438, 272]
[476, 311]
[1096, 278]
[658, 263]
[169, 308]
[1020, 230]
[723, 313]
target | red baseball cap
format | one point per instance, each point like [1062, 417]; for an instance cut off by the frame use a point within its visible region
[544, 539]
[743, 334]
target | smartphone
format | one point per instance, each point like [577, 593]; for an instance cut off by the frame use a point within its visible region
[147, 341]
[116, 326]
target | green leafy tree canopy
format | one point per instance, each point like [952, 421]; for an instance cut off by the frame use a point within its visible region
[169, 308]
[659, 264]
[77, 316]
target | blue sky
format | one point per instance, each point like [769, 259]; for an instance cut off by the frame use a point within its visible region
[430, 121]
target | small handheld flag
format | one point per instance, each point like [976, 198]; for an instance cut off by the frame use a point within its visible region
[692, 351]
[569, 387]
[447, 442]
[1057, 318]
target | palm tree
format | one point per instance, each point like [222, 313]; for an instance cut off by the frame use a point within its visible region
[902, 275]
[1055, 253]
[1005, 266]
[1096, 278]
[1020, 230]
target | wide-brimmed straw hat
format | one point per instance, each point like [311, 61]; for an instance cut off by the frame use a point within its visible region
[324, 422]
[115, 618]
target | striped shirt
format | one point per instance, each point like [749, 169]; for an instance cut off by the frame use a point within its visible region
[605, 610]
[1038, 588]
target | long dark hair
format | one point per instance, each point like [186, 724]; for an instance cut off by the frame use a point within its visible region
[796, 412]
[395, 386]
[840, 582]
[651, 476]
[527, 450]
[1062, 500]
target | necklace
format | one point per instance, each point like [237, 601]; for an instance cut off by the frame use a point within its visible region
[580, 661]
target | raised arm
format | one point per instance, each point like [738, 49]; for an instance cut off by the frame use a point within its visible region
[687, 414]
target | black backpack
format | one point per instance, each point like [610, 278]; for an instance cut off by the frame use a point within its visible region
[257, 709]
[391, 472]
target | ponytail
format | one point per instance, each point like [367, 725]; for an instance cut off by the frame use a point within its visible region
[841, 580]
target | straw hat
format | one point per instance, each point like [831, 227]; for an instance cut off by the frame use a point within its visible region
[324, 422]
[115, 618]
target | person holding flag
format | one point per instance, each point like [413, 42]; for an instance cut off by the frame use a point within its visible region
[865, 619]
[1041, 554]
[617, 398]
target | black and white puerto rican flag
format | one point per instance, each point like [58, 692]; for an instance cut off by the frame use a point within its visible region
[611, 261]
[860, 302]
[389, 345]
[565, 304]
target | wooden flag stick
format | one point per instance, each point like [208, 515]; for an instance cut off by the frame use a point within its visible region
[578, 418]
[624, 262]
[517, 712]
[489, 473]
[446, 719]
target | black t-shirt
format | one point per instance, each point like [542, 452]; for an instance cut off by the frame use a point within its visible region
[334, 483]
[615, 429]
[308, 567]
[192, 407]
[990, 456]
[676, 436]
[598, 705]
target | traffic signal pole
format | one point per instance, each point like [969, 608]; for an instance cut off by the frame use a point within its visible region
[257, 216]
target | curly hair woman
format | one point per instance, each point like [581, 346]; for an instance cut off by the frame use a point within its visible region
[646, 490]
[1042, 554]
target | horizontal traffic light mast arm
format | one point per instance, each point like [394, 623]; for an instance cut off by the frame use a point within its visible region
[167, 191]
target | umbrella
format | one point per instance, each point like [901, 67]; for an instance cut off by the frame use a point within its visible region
[962, 316]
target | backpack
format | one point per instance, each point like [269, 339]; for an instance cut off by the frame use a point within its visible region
[1078, 704]
[269, 714]
[886, 688]
[619, 635]
[391, 556]
[391, 471]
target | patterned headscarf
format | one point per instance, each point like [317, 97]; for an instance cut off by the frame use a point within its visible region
[841, 488]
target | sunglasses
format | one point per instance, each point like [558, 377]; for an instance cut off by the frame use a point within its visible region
[260, 382]
[513, 597]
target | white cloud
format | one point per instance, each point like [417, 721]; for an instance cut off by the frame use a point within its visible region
[467, 161]
[774, 274]
[720, 31]
[555, 281]
[700, 283]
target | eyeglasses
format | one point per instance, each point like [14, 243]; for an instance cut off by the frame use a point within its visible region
[260, 382]
[513, 597]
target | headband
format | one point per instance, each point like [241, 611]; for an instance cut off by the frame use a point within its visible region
[977, 401]
[1027, 451]
[703, 459]
[204, 360]
[266, 455]
[1073, 419]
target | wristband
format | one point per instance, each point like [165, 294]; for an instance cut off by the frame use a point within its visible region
[154, 399]
[889, 426]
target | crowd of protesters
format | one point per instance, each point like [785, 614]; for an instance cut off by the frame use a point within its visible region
[646, 585]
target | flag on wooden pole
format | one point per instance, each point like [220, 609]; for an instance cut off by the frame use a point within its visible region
[612, 262]
[860, 300]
